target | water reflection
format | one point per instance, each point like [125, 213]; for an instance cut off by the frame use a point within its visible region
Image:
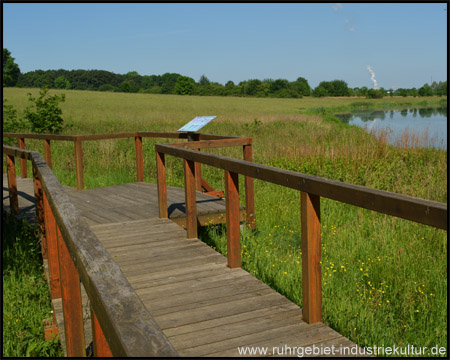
[428, 126]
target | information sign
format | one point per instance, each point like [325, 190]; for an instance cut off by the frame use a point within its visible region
[196, 124]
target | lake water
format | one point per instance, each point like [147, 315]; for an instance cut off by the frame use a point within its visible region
[414, 127]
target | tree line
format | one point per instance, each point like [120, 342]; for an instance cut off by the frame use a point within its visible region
[173, 83]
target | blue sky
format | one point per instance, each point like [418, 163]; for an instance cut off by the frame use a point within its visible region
[404, 43]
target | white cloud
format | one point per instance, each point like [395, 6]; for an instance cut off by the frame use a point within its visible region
[349, 27]
[337, 7]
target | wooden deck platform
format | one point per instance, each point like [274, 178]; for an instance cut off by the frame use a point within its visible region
[203, 307]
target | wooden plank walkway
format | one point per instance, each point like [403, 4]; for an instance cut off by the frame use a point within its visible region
[203, 307]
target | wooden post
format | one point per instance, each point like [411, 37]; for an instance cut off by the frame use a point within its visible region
[198, 175]
[232, 216]
[162, 188]
[23, 162]
[249, 191]
[52, 250]
[39, 204]
[48, 153]
[71, 301]
[101, 347]
[190, 196]
[79, 164]
[139, 159]
[198, 166]
[12, 185]
[311, 253]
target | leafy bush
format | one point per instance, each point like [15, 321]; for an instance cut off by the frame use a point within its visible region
[374, 94]
[46, 118]
[62, 83]
[107, 87]
[11, 123]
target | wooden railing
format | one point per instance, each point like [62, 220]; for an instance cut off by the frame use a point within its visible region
[311, 189]
[87, 253]
[78, 149]
[74, 253]
[121, 324]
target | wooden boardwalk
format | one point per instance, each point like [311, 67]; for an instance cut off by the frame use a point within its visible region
[203, 307]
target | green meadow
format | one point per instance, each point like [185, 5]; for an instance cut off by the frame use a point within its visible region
[384, 279]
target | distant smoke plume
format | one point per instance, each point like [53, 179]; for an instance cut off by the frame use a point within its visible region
[372, 77]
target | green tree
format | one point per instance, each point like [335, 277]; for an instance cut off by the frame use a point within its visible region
[441, 88]
[184, 85]
[107, 87]
[320, 91]
[203, 80]
[167, 82]
[229, 88]
[44, 115]
[135, 79]
[339, 88]
[301, 86]
[332, 88]
[413, 92]
[62, 83]
[11, 70]
[278, 84]
[401, 92]
[251, 87]
[426, 90]
[129, 86]
[363, 91]
[132, 74]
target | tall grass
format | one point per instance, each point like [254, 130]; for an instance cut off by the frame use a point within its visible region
[26, 298]
[384, 278]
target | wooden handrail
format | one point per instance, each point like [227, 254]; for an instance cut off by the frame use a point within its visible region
[210, 144]
[40, 136]
[129, 329]
[153, 134]
[311, 189]
[205, 141]
[423, 211]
